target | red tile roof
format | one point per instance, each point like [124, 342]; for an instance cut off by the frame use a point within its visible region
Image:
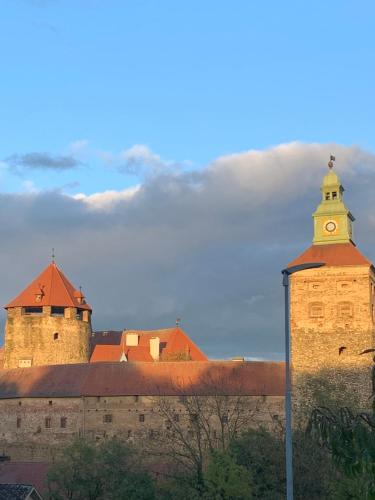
[107, 346]
[114, 352]
[336, 254]
[53, 288]
[167, 378]
[25, 473]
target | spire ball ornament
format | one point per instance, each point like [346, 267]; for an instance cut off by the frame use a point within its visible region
[331, 160]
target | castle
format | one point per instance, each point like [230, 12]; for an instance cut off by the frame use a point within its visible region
[60, 379]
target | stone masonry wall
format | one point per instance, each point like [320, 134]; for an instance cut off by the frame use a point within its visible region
[332, 321]
[31, 428]
[31, 337]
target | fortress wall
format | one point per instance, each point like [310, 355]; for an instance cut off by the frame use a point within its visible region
[88, 417]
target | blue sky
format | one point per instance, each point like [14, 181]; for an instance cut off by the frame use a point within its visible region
[172, 153]
[191, 80]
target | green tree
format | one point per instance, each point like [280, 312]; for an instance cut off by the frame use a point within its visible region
[225, 479]
[350, 439]
[86, 471]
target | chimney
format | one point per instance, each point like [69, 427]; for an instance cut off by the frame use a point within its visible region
[131, 339]
[155, 348]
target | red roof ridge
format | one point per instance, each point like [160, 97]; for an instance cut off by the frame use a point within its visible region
[334, 254]
[144, 378]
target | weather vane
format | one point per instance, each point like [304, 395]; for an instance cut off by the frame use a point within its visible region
[331, 160]
[53, 256]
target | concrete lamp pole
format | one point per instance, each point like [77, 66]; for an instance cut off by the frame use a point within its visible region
[288, 383]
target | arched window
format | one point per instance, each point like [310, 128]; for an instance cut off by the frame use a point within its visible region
[55, 336]
[316, 310]
[345, 310]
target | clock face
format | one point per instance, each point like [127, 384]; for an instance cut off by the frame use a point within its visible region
[330, 226]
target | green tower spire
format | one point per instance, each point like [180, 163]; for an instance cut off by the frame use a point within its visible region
[332, 220]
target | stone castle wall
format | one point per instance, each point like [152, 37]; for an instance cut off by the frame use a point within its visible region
[46, 339]
[35, 429]
[332, 321]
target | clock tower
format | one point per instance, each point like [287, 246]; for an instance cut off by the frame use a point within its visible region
[332, 308]
[332, 220]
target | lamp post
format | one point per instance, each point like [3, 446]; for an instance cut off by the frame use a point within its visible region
[288, 383]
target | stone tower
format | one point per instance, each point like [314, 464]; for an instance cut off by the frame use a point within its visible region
[49, 323]
[332, 307]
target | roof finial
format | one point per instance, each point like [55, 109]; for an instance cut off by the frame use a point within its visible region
[178, 321]
[330, 163]
[53, 256]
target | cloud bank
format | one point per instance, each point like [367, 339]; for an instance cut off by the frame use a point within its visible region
[206, 246]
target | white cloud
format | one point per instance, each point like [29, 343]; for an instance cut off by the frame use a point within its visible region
[80, 147]
[207, 246]
[106, 200]
[140, 160]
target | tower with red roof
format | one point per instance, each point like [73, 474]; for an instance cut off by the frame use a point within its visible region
[332, 307]
[48, 323]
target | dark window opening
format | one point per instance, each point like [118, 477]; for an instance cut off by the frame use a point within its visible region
[50, 403]
[63, 422]
[194, 418]
[141, 418]
[33, 310]
[18, 422]
[79, 314]
[328, 196]
[108, 418]
[224, 419]
[55, 336]
[47, 422]
[334, 195]
[19, 403]
[57, 311]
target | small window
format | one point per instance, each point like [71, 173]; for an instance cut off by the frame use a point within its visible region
[63, 422]
[19, 422]
[57, 311]
[328, 196]
[334, 195]
[316, 310]
[50, 403]
[141, 417]
[108, 418]
[19, 403]
[33, 310]
[79, 314]
[55, 336]
[47, 422]
[345, 310]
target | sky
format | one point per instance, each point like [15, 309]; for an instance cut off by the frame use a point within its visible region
[172, 153]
